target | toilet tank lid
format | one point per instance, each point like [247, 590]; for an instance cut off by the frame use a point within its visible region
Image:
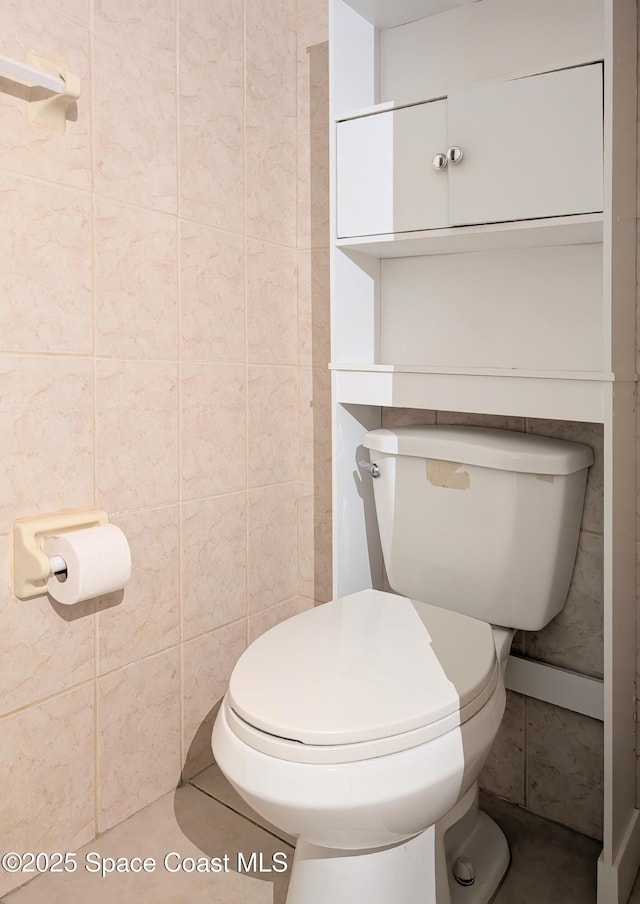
[486, 447]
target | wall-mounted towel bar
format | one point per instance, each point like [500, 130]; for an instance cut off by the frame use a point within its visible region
[48, 110]
[24, 73]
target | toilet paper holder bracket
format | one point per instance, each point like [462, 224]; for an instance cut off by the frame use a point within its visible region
[31, 565]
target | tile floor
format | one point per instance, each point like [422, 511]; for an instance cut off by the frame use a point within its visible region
[205, 818]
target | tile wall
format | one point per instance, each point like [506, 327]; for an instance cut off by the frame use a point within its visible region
[163, 351]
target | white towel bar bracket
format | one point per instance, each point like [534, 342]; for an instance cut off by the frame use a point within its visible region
[52, 89]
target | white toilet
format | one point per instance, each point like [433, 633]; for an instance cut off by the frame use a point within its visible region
[361, 726]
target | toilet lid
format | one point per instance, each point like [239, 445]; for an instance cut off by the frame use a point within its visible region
[366, 666]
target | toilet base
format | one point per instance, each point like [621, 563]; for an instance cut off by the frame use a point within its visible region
[417, 871]
[488, 850]
[402, 874]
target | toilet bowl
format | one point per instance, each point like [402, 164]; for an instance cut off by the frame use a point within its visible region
[360, 727]
[393, 710]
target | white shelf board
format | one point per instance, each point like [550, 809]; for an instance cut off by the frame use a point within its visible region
[598, 376]
[386, 14]
[557, 395]
[573, 230]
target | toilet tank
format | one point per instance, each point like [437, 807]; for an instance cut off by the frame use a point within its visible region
[481, 521]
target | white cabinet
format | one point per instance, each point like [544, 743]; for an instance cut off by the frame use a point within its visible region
[386, 182]
[531, 148]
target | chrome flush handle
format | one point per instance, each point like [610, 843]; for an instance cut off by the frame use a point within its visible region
[439, 161]
[454, 154]
[371, 467]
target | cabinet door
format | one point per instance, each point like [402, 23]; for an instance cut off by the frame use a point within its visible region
[385, 180]
[532, 147]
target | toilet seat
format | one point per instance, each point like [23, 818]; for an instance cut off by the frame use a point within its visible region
[362, 676]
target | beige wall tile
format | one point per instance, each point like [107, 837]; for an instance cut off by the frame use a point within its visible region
[591, 435]
[136, 282]
[313, 189]
[272, 304]
[212, 177]
[271, 61]
[147, 27]
[638, 636]
[406, 417]
[44, 648]
[73, 9]
[134, 128]
[61, 157]
[213, 429]
[137, 434]
[574, 638]
[314, 333]
[211, 113]
[273, 546]
[145, 618]
[138, 736]
[313, 69]
[273, 425]
[214, 562]
[315, 425]
[46, 422]
[637, 797]
[271, 181]
[305, 6]
[45, 282]
[564, 767]
[207, 664]
[501, 422]
[212, 294]
[504, 771]
[269, 618]
[47, 777]
[314, 541]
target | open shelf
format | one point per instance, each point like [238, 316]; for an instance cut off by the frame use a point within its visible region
[570, 230]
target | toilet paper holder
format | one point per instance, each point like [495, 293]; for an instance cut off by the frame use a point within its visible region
[31, 565]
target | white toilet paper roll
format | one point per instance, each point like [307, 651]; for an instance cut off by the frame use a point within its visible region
[98, 561]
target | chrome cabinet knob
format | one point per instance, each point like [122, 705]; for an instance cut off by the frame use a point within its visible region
[439, 161]
[454, 154]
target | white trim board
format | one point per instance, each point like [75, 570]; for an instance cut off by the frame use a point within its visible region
[552, 684]
[615, 880]
[562, 399]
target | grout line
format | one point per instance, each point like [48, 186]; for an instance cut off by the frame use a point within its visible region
[246, 324]
[90, 193]
[237, 812]
[46, 699]
[180, 400]
[94, 295]
[309, 296]
[525, 757]
[40, 701]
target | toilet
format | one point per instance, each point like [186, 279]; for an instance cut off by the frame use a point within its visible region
[361, 726]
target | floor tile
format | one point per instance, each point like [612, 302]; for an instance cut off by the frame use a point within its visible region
[213, 783]
[549, 863]
[190, 824]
